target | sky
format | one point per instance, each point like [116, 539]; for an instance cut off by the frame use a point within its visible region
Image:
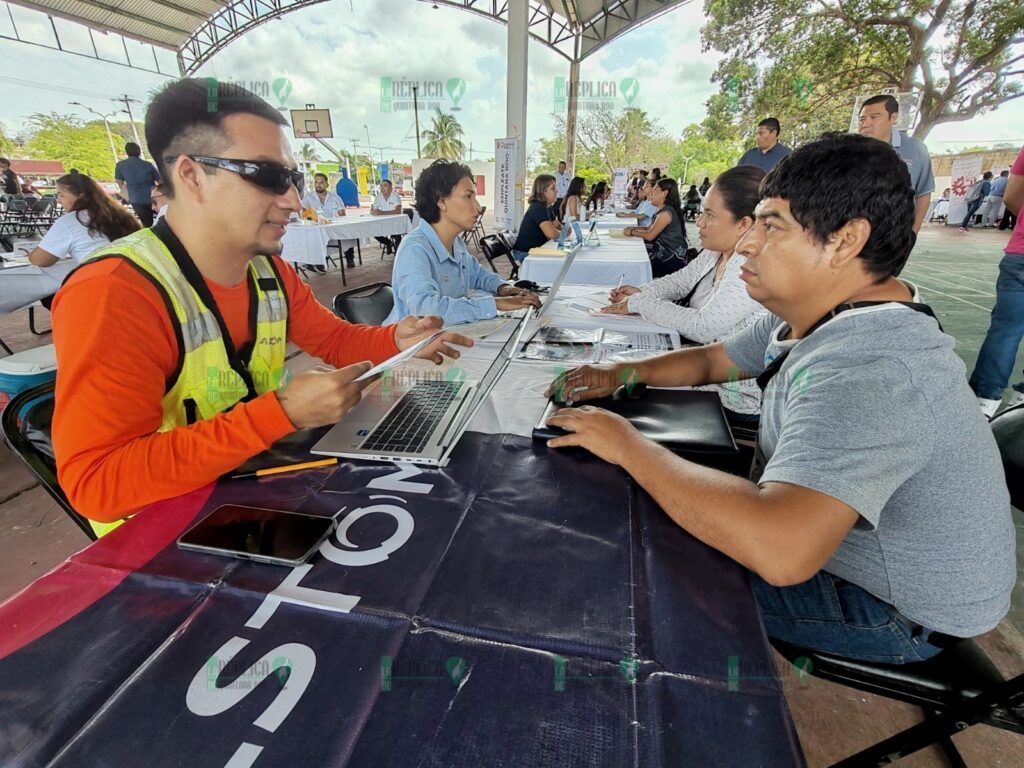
[335, 55]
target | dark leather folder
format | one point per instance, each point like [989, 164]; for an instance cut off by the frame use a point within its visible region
[684, 421]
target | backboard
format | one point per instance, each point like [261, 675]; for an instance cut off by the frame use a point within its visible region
[312, 123]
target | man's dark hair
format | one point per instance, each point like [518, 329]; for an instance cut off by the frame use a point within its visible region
[986, 175]
[772, 124]
[388, 182]
[186, 118]
[5, 162]
[320, 176]
[840, 177]
[438, 180]
[891, 105]
[1004, 173]
[562, 162]
[132, 149]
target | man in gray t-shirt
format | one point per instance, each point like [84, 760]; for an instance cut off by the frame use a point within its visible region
[878, 118]
[878, 516]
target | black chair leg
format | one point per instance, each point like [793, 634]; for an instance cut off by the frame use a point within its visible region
[945, 743]
[32, 322]
[359, 253]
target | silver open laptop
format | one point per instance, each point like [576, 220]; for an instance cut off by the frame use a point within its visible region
[559, 278]
[419, 422]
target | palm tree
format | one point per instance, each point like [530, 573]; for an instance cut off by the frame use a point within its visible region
[444, 138]
[308, 153]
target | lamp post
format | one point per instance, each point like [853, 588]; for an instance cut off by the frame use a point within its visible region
[106, 125]
[686, 167]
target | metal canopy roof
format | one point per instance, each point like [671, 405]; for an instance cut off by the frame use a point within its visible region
[197, 29]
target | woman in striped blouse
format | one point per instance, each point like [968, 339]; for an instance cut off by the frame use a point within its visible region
[706, 301]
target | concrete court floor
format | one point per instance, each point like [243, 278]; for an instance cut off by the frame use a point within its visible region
[956, 274]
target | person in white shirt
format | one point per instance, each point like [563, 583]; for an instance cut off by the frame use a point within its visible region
[706, 300]
[572, 203]
[562, 181]
[158, 202]
[328, 203]
[387, 203]
[92, 221]
[646, 210]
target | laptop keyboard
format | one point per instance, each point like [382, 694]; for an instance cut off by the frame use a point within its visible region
[412, 421]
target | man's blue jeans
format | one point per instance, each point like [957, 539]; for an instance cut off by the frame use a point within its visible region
[995, 360]
[829, 614]
[972, 208]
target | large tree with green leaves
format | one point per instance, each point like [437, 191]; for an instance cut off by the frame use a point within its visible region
[66, 138]
[963, 56]
[444, 137]
[607, 139]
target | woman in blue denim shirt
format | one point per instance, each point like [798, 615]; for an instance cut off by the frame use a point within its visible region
[434, 273]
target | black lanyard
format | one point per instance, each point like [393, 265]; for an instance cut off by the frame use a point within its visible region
[238, 359]
[759, 462]
[776, 364]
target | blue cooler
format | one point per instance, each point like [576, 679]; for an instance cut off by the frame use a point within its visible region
[25, 370]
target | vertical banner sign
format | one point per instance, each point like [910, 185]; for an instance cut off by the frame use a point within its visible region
[361, 178]
[505, 182]
[619, 184]
[966, 170]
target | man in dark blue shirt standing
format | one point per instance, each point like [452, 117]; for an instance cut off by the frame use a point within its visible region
[768, 151]
[136, 178]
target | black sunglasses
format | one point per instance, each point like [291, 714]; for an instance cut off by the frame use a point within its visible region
[273, 176]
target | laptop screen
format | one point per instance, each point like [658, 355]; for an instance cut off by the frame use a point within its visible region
[492, 374]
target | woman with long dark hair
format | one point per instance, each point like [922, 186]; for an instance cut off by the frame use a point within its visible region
[540, 223]
[706, 300]
[573, 200]
[666, 236]
[598, 195]
[92, 220]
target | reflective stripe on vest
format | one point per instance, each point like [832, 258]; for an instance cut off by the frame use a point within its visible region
[206, 383]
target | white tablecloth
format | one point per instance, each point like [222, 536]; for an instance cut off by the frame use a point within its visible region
[595, 264]
[23, 284]
[307, 243]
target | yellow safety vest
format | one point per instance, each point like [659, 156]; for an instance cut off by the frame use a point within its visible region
[211, 376]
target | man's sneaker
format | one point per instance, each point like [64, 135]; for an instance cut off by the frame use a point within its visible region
[989, 407]
[962, 229]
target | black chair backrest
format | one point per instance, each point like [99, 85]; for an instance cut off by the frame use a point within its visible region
[1008, 428]
[410, 213]
[17, 205]
[492, 248]
[366, 305]
[42, 206]
[30, 441]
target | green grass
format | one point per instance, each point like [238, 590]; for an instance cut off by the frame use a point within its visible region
[956, 274]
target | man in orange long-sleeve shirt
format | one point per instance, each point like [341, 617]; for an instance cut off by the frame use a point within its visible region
[137, 320]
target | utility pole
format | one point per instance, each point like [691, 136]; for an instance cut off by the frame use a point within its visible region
[128, 101]
[369, 154]
[106, 125]
[416, 115]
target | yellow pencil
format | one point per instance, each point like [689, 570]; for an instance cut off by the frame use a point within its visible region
[288, 468]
